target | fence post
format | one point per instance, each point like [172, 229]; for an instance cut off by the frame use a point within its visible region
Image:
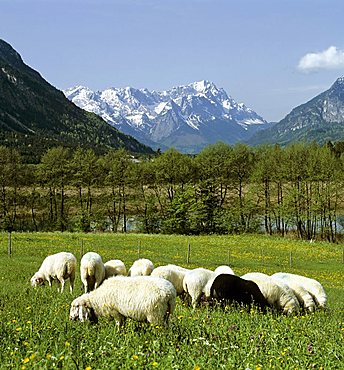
[229, 257]
[9, 244]
[291, 259]
[188, 255]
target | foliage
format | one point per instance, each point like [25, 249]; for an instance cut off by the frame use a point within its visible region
[297, 190]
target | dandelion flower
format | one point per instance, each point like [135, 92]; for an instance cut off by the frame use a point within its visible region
[135, 357]
[26, 360]
[88, 368]
[67, 344]
[155, 364]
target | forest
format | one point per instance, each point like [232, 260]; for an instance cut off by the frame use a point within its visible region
[287, 191]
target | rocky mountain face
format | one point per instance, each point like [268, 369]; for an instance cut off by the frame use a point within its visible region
[321, 119]
[35, 116]
[185, 117]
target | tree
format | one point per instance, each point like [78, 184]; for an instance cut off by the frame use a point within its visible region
[85, 171]
[118, 166]
[54, 173]
[10, 164]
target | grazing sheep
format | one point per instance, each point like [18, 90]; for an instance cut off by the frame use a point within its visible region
[196, 283]
[60, 266]
[312, 286]
[224, 269]
[174, 274]
[228, 288]
[114, 268]
[92, 271]
[141, 267]
[278, 295]
[140, 298]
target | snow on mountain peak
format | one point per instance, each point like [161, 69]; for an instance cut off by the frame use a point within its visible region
[193, 106]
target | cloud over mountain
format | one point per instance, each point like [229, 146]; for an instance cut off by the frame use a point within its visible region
[331, 58]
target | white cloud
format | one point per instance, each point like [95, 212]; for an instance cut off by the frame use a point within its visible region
[331, 58]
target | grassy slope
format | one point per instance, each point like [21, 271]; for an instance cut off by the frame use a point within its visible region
[36, 332]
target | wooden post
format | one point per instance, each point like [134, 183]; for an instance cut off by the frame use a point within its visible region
[229, 257]
[139, 249]
[9, 243]
[188, 255]
[291, 259]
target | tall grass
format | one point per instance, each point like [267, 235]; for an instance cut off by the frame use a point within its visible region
[36, 333]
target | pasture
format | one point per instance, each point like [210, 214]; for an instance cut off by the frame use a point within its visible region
[37, 334]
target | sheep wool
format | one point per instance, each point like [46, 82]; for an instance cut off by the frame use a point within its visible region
[142, 298]
[278, 294]
[172, 273]
[141, 267]
[198, 282]
[92, 271]
[60, 266]
[114, 268]
[312, 286]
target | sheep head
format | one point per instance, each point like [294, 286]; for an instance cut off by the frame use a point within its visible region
[37, 280]
[81, 310]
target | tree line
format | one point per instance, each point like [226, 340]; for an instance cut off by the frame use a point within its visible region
[296, 190]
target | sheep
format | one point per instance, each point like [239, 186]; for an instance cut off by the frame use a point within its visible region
[224, 269]
[174, 274]
[278, 294]
[114, 268]
[195, 283]
[228, 288]
[92, 271]
[141, 267]
[142, 298]
[60, 266]
[312, 286]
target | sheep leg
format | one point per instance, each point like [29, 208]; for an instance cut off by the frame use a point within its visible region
[71, 282]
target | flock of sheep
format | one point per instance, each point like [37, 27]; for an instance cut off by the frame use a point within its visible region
[145, 293]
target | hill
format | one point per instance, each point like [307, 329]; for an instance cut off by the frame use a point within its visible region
[35, 116]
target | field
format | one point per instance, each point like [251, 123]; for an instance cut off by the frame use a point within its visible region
[37, 334]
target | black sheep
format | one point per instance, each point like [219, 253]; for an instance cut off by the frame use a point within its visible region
[230, 289]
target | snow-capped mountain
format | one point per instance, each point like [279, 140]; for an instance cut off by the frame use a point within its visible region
[185, 117]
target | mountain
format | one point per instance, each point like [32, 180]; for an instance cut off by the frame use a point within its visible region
[35, 116]
[321, 119]
[185, 117]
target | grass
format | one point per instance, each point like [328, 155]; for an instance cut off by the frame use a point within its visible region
[36, 333]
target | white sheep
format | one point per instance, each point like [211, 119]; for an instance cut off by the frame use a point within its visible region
[141, 267]
[196, 283]
[60, 266]
[140, 298]
[278, 294]
[312, 286]
[114, 268]
[92, 271]
[224, 269]
[174, 274]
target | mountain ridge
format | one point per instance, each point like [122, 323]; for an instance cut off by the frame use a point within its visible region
[187, 117]
[320, 119]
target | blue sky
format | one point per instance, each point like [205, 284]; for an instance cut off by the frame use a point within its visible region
[273, 55]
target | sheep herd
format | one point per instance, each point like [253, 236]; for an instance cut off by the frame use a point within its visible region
[145, 293]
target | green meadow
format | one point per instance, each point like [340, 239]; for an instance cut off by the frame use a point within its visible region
[36, 333]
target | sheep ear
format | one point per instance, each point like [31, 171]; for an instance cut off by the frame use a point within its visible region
[82, 313]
